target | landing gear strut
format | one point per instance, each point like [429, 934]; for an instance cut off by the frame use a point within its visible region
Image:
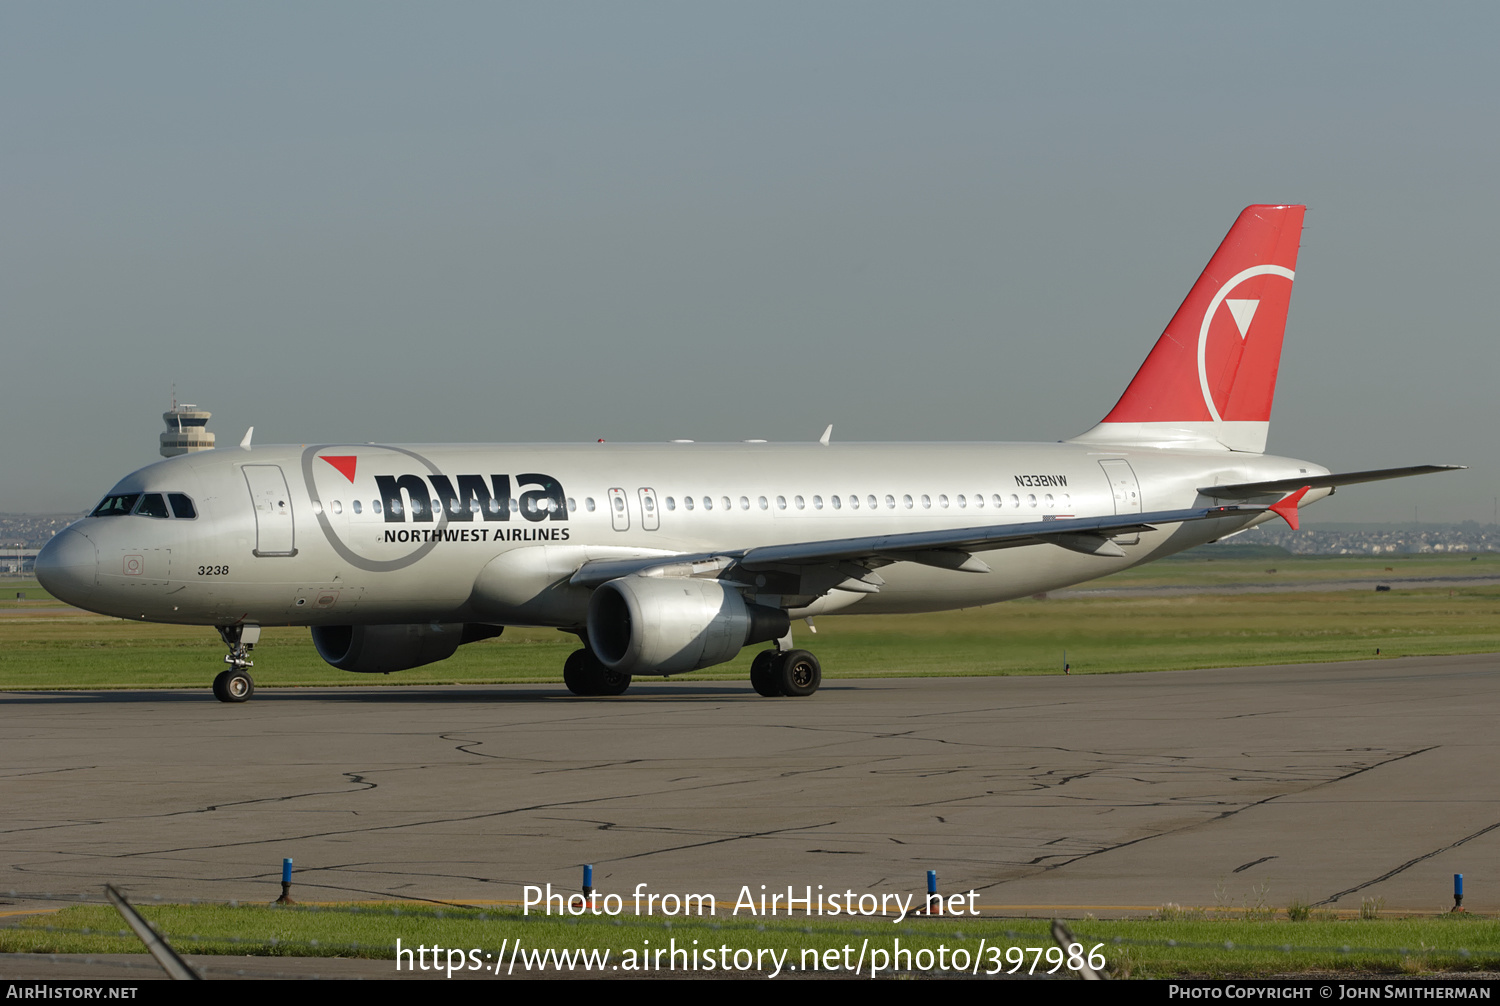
[585, 675]
[785, 672]
[236, 684]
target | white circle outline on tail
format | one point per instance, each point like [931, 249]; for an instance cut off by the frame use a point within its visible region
[1208, 317]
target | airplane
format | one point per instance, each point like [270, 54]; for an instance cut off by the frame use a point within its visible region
[666, 558]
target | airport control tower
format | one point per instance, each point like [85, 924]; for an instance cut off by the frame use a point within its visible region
[187, 430]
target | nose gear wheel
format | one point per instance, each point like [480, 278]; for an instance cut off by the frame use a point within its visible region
[234, 685]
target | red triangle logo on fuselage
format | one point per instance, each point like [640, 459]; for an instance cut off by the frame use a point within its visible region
[344, 463]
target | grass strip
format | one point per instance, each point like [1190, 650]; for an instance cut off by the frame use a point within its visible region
[1140, 948]
[1097, 634]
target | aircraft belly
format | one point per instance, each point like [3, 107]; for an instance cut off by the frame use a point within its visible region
[1014, 573]
[1024, 572]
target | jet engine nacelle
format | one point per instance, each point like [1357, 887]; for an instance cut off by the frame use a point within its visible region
[376, 649]
[667, 625]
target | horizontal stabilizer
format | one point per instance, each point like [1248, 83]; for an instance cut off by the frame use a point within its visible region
[1278, 487]
[1286, 508]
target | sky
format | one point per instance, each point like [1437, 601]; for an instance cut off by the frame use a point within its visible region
[556, 222]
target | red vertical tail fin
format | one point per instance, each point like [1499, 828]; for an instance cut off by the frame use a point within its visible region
[1211, 377]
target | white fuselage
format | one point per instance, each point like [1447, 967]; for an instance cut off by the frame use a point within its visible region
[332, 551]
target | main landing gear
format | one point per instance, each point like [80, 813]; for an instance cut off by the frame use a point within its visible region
[773, 673]
[585, 675]
[785, 672]
[236, 684]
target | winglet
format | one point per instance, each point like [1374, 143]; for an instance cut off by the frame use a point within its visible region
[826, 434]
[1286, 507]
[245, 443]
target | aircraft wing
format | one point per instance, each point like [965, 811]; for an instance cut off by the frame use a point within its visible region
[1249, 490]
[947, 548]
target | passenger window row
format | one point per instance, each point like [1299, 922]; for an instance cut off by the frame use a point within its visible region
[164, 506]
[454, 507]
[855, 501]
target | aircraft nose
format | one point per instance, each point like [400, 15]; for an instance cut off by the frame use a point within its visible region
[67, 566]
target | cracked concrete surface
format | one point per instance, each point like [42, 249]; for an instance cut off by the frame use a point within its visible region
[1326, 783]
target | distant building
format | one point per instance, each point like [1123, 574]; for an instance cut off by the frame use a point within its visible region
[16, 560]
[187, 431]
[1371, 539]
[28, 532]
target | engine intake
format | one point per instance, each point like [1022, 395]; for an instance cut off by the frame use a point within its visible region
[667, 625]
[377, 649]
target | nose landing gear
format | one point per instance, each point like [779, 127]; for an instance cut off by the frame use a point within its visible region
[235, 684]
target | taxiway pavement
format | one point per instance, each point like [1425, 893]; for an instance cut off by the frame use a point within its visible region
[1323, 783]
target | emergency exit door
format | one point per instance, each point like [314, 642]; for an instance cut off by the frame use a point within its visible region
[619, 510]
[650, 511]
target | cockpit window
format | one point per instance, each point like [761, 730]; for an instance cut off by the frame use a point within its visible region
[147, 505]
[152, 505]
[116, 506]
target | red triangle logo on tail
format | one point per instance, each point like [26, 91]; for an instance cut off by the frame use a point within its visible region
[344, 463]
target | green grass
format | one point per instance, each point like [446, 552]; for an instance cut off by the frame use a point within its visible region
[1137, 948]
[11, 586]
[1198, 567]
[40, 650]
[1220, 948]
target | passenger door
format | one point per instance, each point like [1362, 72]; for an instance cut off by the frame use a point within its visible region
[274, 534]
[1127, 493]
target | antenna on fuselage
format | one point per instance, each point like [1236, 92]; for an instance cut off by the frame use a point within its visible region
[245, 443]
[826, 435]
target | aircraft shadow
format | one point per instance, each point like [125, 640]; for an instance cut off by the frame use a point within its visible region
[425, 695]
